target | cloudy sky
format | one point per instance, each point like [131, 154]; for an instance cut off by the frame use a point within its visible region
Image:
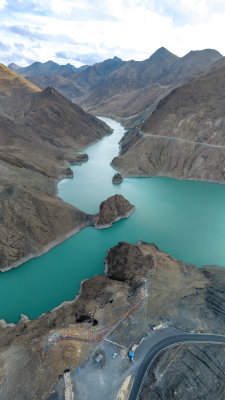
[88, 31]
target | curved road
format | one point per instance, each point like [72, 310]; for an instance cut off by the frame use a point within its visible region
[147, 363]
[178, 139]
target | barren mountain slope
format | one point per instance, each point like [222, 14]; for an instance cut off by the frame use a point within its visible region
[40, 131]
[184, 137]
[123, 88]
[32, 222]
[51, 74]
[42, 127]
[140, 85]
[71, 82]
[68, 88]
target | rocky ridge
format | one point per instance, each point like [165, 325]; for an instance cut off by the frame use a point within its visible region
[42, 69]
[177, 293]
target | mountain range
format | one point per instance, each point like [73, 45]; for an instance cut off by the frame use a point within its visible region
[122, 88]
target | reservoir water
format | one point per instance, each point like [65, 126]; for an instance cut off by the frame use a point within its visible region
[184, 218]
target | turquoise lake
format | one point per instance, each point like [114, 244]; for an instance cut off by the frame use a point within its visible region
[184, 218]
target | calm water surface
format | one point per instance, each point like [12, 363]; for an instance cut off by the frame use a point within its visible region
[184, 218]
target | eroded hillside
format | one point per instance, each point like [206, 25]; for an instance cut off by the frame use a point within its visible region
[184, 137]
[40, 132]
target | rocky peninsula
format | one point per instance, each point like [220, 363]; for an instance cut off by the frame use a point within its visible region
[175, 294]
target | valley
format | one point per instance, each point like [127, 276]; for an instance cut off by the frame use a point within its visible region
[55, 161]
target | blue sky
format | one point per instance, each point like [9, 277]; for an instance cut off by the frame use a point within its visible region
[88, 31]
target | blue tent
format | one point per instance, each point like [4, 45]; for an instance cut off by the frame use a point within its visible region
[131, 355]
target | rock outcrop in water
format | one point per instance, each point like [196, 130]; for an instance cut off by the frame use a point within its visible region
[117, 178]
[178, 294]
[112, 210]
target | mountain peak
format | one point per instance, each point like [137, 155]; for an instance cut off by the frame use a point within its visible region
[14, 66]
[117, 58]
[50, 63]
[50, 91]
[204, 52]
[162, 52]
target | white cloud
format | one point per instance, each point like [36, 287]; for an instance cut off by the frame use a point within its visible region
[193, 10]
[3, 4]
[126, 28]
[65, 7]
[60, 8]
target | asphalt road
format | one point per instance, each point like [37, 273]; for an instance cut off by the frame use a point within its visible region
[153, 352]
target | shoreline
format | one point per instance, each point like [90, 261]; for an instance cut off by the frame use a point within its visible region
[68, 164]
[159, 175]
[76, 230]
[24, 318]
[109, 225]
[67, 235]
[46, 248]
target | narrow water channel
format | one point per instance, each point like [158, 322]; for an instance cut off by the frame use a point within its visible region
[184, 218]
